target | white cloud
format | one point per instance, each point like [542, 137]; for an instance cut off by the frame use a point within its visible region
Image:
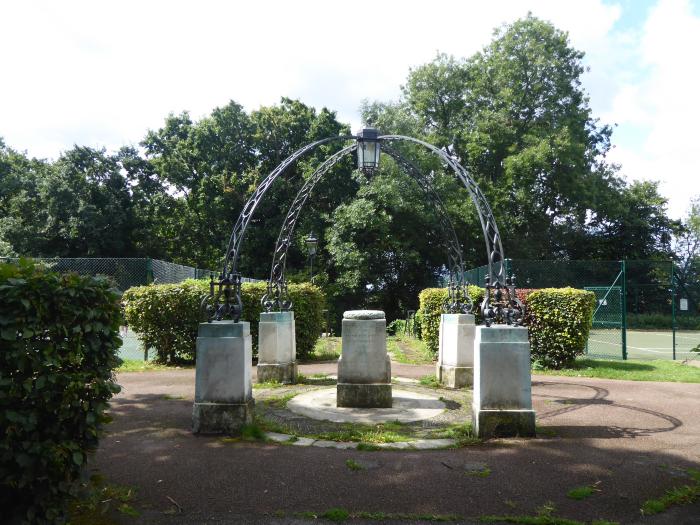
[102, 73]
[661, 112]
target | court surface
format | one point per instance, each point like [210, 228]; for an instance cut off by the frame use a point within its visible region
[643, 344]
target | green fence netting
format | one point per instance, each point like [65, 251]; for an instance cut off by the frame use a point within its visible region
[652, 308]
[126, 273]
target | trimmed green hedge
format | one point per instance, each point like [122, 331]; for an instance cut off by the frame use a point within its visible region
[60, 338]
[431, 301]
[166, 316]
[559, 321]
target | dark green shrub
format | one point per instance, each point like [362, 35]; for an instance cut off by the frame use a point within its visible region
[59, 337]
[431, 301]
[662, 321]
[559, 321]
[166, 316]
[396, 326]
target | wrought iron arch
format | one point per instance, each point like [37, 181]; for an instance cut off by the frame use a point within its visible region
[277, 297]
[500, 303]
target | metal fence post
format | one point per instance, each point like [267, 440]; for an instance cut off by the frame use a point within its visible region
[624, 310]
[149, 270]
[673, 310]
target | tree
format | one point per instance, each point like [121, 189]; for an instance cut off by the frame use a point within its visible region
[687, 255]
[516, 115]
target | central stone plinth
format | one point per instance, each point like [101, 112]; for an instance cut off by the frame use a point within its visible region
[364, 367]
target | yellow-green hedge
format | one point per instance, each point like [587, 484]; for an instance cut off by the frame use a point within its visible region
[559, 321]
[431, 301]
[166, 316]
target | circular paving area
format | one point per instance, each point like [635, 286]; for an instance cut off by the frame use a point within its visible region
[408, 406]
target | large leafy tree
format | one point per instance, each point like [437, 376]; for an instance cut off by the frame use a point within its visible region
[515, 114]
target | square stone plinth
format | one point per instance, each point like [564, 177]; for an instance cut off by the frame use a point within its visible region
[503, 423]
[454, 376]
[377, 395]
[502, 382]
[277, 373]
[364, 358]
[221, 418]
[223, 395]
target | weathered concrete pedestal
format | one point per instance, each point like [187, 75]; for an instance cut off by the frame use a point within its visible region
[455, 366]
[277, 348]
[502, 383]
[364, 367]
[223, 395]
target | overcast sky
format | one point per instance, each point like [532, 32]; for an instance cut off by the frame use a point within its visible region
[101, 73]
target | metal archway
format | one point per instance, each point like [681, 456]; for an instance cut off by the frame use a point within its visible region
[500, 303]
[277, 297]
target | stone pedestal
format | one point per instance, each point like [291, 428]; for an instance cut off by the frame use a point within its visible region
[223, 395]
[455, 364]
[502, 383]
[277, 348]
[364, 367]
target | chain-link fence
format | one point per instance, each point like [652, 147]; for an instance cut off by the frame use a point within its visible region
[645, 309]
[126, 273]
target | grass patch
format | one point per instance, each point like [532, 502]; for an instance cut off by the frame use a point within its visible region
[268, 384]
[279, 401]
[251, 433]
[353, 465]
[139, 365]
[430, 380]
[325, 349]
[656, 370]
[481, 473]
[168, 397]
[98, 500]
[340, 515]
[390, 432]
[409, 350]
[581, 493]
[381, 516]
[675, 496]
[463, 433]
[544, 516]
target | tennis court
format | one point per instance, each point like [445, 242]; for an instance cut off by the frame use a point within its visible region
[643, 344]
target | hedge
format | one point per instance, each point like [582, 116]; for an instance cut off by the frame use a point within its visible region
[60, 337]
[166, 316]
[431, 302]
[559, 321]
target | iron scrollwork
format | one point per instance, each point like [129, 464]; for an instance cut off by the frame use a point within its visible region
[224, 299]
[501, 304]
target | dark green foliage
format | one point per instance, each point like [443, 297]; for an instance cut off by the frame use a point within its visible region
[431, 301]
[662, 322]
[559, 321]
[59, 336]
[166, 316]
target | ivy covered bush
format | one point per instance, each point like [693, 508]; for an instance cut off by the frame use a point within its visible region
[431, 301]
[559, 321]
[166, 316]
[59, 337]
